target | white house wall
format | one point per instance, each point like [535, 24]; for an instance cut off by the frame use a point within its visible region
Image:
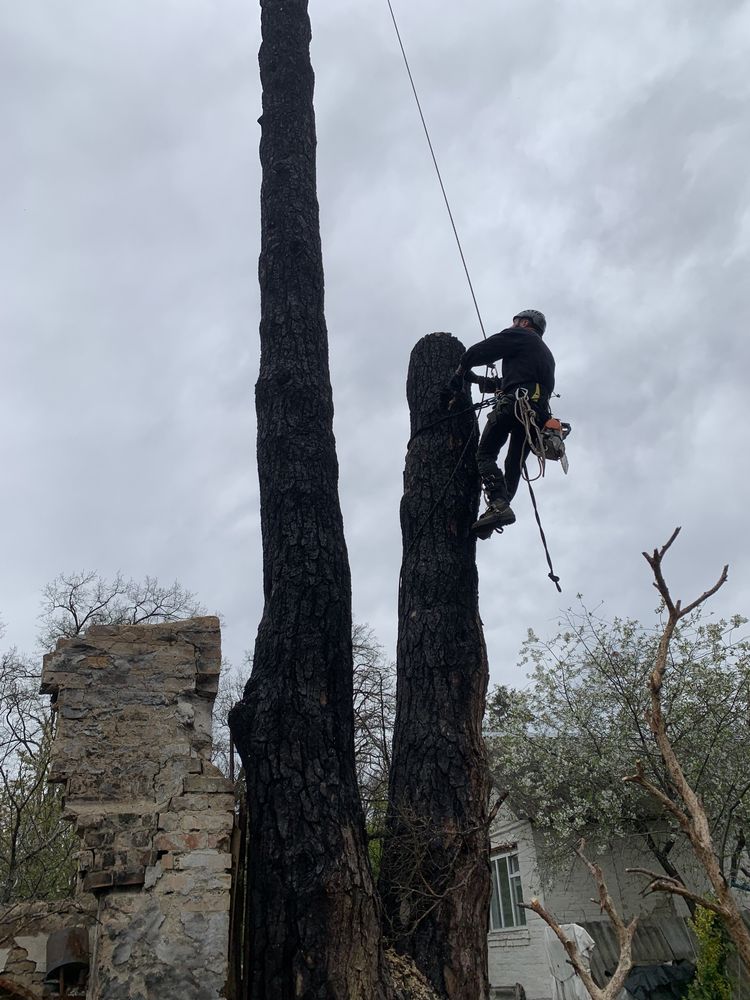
[518, 955]
[569, 897]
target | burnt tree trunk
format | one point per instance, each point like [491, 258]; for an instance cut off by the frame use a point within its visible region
[435, 879]
[312, 912]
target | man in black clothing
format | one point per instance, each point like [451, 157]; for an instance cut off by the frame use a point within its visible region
[528, 365]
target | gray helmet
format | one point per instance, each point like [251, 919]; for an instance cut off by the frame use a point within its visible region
[535, 317]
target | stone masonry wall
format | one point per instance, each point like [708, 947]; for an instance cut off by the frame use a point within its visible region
[154, 815]
[24, 930]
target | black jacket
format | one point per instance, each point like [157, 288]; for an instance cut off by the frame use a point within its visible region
[526, 358]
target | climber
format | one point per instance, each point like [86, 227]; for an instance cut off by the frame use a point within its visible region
[527, 364]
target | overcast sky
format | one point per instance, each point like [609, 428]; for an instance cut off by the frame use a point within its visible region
[596, 158]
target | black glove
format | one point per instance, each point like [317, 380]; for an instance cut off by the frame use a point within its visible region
[456, 384]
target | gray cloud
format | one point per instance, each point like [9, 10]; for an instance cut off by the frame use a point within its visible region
[595, 160]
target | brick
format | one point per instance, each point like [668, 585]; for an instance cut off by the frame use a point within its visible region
[85, 860]
[97, 881]
[181, 842]
[208, 860]
[200, 803]
[205, 785]
[130, 877]
[210, 822]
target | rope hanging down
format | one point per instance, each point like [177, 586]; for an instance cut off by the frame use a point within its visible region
[555, 579]
[437, 168]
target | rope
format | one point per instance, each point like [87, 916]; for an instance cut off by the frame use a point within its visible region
[437, 168]
[555, 579]
[476, 406]
[525, 415]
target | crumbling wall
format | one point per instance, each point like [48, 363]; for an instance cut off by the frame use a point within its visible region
[154, 815]
[24, 930]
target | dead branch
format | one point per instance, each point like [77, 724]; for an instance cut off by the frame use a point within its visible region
[495, 808]
[625, 935]
[639, 778]
[428, 873]
[666, 883]
[692, 819]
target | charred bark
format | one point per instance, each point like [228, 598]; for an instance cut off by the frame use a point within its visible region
[312, 913]
[435, 880]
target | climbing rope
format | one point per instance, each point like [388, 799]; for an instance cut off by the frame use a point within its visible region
[437, 168]
[555, 579]
[451, 416]
[525, 415]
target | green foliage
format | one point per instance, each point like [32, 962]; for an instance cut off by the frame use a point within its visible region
[714, 948]
[566, 741]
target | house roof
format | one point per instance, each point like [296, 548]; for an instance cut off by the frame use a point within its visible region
[656, 941]
[667, 939]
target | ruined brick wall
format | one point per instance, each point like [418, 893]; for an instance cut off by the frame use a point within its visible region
[154, 815]
[24, 930]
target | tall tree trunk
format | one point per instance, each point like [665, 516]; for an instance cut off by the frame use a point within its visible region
[312, 912]
[435, 879]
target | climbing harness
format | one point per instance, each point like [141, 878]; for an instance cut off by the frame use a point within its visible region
[546, 442]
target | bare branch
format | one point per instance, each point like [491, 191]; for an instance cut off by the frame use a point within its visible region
[693, 819]
[639, 778]
[664, 883]
[614, 987]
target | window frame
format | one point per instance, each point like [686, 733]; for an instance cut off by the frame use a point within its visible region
[514, 892]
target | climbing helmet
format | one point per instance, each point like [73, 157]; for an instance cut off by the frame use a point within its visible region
[535, 317]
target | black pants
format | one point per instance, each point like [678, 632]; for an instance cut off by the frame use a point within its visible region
[501, 425]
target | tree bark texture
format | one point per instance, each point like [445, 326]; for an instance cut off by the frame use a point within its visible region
[435, 878]
[312, 911]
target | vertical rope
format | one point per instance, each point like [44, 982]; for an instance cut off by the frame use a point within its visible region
[555, 579]
[437, 168]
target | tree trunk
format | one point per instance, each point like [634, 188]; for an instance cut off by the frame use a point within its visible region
[312, 913]
[435, 879]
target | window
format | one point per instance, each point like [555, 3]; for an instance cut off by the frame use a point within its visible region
[506, 893]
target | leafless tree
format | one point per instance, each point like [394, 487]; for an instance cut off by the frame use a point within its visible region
[36, 845]
[684, 805]
[625, 933]
[312, 912]
[230, 690]
[374, 712]
[73, 602]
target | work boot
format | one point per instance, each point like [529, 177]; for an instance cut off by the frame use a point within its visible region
[497, 515]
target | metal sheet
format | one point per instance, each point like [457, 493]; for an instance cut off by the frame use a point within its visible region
[67, 949]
